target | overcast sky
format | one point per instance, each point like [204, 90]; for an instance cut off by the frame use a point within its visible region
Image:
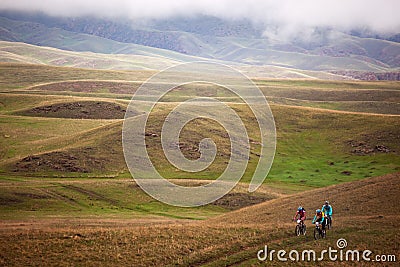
[290, 15]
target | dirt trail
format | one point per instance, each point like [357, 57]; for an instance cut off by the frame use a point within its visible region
[61, 224]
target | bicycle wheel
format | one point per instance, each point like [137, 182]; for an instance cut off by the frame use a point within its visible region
[316, 234]
[297, 230]
[304, 229]
[329, 223]
[323, 233]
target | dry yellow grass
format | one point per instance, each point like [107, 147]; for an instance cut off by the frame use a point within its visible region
[365, 213]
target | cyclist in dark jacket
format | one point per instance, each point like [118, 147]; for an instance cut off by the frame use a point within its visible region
[300, 214]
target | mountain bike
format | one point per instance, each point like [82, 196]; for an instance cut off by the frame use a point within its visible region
[318, 231]
[301, 228]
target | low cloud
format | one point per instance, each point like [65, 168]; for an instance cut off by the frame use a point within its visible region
[289, 17]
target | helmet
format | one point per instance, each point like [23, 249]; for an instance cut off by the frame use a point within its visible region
[318, 211]
[300, 208]
[326, 202]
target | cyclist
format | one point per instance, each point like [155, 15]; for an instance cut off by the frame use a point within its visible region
[319, 217]
[327, 210]
[300, 214]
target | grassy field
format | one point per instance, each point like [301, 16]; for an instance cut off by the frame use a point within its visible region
[68, 196]
[318, 144]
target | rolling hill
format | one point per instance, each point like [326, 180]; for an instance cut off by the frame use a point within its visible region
[239, 42]
[24, 53]
[356, 124]
[363, 214]
[68, 198]
[16, 52]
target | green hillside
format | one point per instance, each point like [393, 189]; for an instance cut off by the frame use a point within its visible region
[319, 142]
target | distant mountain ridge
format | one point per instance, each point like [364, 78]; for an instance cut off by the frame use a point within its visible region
[206, 37]
[144, 58]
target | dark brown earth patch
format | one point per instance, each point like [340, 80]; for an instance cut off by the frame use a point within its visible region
[79, 110]
[81, 161]
[7, 201]
[380, 142]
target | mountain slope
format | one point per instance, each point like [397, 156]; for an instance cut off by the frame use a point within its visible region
[373, 196]
[16, 52]
[236, 41]
[23, 53]
[365, 214]
[39, 34]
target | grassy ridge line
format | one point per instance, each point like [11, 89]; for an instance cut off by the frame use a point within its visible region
[339, 111]
[39, 85]
[294, 84]
[14, 76]
[326, 84]
[331, 86]
[381, 107]
[102, 61]
[26, 53]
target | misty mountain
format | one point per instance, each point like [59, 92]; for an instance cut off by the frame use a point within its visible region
[210, 37]
[183, 35]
